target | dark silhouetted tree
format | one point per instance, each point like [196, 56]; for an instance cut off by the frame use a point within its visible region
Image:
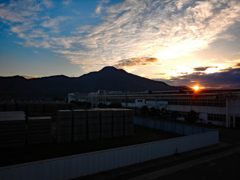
[101, 105]
[175, 115]
[115, 105]
[144, 110]
[158, 113]
[152, 111]
[84, 105]
[192, 116]
[164, 113]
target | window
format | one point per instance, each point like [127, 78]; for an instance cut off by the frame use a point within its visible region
[217, 117]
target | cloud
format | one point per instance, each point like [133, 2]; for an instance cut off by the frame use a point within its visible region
[53, 23]
[135, 62]
[100, 6]
[47, 3]
[226, 69]
[203, 68]
[228, 37]
[29, 77]
[46, 17]
[237, 65]
[36, 52]
[162, 29]
[23, 18]
[226, 79]
[17, 12]
[184, 73]
[98, 10]
[83, 29]
[159, 74]
[67, 43]
[67, 2]
[26, 20]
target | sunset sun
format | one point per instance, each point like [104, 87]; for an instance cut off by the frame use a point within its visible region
[196, 88]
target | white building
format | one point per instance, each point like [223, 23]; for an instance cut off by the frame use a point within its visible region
[77, 97]
[219, 107]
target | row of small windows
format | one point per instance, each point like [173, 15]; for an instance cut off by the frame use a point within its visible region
[217, 117]
[128, 100]
[181, 113]
[189, 102]
[184, 102]
[121, 100]
[211, 117]
[132, 100]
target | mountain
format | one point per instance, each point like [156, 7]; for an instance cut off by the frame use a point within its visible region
[108, 78]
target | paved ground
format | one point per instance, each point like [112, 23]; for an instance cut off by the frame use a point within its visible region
[224, 168]
[215, 162]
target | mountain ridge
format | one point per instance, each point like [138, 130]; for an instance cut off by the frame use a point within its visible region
[108, 78]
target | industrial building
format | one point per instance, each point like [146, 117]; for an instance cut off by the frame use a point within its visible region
[77, 97]
[218, 107]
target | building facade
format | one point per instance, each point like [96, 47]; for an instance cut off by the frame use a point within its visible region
[219, 107]
[77, 97]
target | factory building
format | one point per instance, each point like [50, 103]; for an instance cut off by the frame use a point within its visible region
[77, 97]
[218, 107]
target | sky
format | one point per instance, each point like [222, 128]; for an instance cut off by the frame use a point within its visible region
[179, 42]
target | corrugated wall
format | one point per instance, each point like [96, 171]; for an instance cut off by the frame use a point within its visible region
[94, 162]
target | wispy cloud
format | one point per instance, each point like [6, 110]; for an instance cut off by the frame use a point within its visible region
[229, 78]
[100, 6]
[228, 37]
[25, 19]
[53, 23]
[67, 2]
[237, 65]
[203, 68]
[48, 3]
[159, 74]
[129, 30]
[158, 29]
[135, 62]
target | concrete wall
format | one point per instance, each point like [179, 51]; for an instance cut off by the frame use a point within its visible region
[93, 162]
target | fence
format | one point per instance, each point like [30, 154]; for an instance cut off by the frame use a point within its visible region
[88, 163]
[171, 127]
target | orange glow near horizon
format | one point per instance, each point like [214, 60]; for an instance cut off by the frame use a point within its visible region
[196, 88]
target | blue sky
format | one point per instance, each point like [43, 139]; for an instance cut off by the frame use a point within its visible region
[180, 42]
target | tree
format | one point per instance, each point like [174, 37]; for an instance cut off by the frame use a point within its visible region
[115, 105]
[84, 105]
[158, 113]
[101, 105]
[152, 111]
[137, 111]
[164, 113]
[144, 110]
[192, 116]
[87, 105]
[175, 115]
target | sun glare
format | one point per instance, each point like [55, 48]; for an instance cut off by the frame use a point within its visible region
[196, 88]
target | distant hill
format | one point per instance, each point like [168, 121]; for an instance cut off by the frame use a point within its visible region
[109, 78]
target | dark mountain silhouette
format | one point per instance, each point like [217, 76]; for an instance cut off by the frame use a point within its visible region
[109, 78]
